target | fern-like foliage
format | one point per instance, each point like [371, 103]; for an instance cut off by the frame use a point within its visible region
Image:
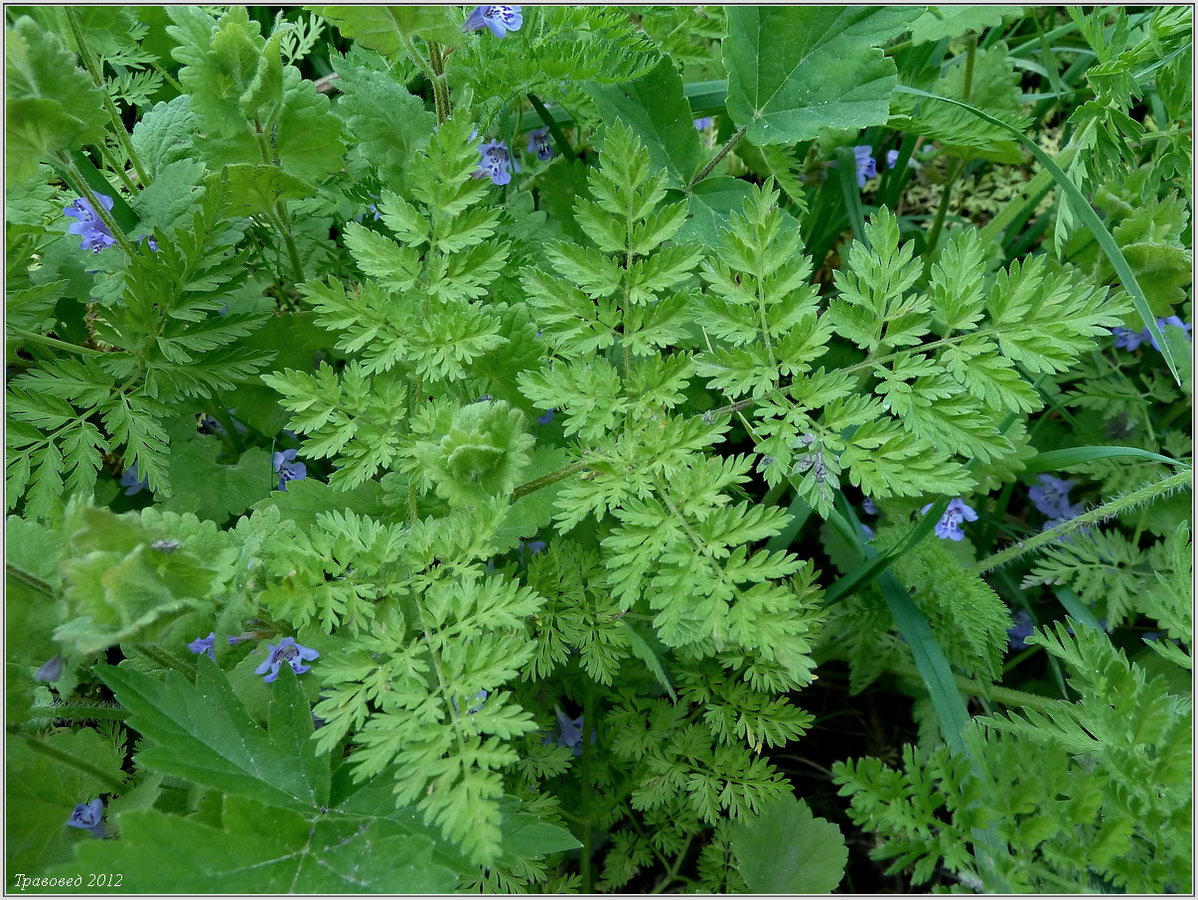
[1062, 796]
[946, 365]
[164, 342]
[415, 328]
[1110, 572]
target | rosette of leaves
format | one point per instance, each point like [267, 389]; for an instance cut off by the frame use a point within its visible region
[472, 452]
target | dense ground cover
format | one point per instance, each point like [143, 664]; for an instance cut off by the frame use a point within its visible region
[557, 449]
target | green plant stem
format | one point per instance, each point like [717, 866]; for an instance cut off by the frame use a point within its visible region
[720, 154]
[113, 785]
[545, 480]
[97, 77]
[50, 342]
[1003, 695]
[29, 579]
[425, 67]
[83, 189]
[283, 218]
[1107, 510]
[440, 88]
[958, 167]
[672, 872]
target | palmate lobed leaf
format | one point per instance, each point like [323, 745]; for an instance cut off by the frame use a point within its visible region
[202, 731]
[795, 70]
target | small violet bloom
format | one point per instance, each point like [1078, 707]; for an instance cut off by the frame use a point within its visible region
[287, 469]
[1126, 339]
[538, 143]
[891, 158]
[546, 417]
[89, 816]
[287, 651]
[569, 732]
[867, 166]
[499, 19]
[133, 482]
[702, 124]
[205, 645]
[949, 526]
[88, 224]
[1018, 633]
[496, 163]
[1051, 495]
[870, 508]
[51, 670]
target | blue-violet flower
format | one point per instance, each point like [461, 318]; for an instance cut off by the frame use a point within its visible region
[205, 645]
[89, 816]
[499, 19]
[703, 123]
[546, 417]
[496, 163]
[1162, 324]
[569, 732]
[1051, 495]
[867, 166]
[88, 224]
[1126, 339]
[538, 143]
[949, 526]
[133, 482]
[51, 670]
[287, 651]
[287, 469]
[1019, 632]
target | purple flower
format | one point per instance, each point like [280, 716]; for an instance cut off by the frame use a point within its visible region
[496, 163]
[869, 507]
[535, 547]
[51, 670]
[867, 166]
[1051, 495]
[1126, 339]
[869, 533]
[499, 19]
[287, 651]
[546, 417]
[88, 224]
[205, 645]
[949, 526]
[133, 482]
[569, 734]
[891, 158]
[288, 470]
[1162, 324]
[538, 143]
[1018, 633]
[702, 124]
[89, 816]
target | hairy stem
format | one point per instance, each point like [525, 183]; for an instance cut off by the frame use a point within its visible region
[93, 69]
[545, 480]
[83, 189]
[81, 712]
[425, 67]
[715, 160]
[22, 334]
[112, 784]
[1005, 696]
[959, 165]
[1150, 492]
